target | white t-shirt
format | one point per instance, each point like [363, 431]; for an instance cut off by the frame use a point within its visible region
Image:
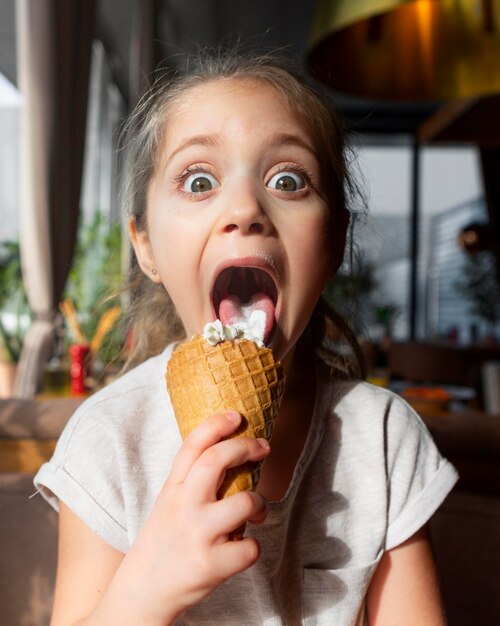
[368, 478]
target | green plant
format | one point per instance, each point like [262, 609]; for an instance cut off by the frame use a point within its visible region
[480, 285]
[350, 290]
[95, 279]
[13, 301]
[385, 315]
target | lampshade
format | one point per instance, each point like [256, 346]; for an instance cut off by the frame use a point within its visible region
[407, 49]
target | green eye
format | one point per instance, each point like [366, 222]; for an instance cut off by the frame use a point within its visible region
[199, 183]
[286, 181]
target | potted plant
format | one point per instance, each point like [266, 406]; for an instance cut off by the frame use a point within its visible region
[93, 289]
[14, 314]
[350, 291]
[385, 315]
[480, 285]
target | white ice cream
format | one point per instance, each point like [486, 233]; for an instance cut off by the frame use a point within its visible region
[251, 326]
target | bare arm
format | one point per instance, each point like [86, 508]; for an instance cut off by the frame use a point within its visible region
[404, 589]
[86, 564]
[181, 554]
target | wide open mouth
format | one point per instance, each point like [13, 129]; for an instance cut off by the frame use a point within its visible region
[238, 291]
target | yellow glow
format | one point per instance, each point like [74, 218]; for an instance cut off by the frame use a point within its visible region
[424, 18]
[408, 49]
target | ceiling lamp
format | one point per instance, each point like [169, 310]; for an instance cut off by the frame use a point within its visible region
[407, 49]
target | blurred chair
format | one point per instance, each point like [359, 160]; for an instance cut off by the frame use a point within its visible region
[28, 544]
[466, 536]
[441, 363]
[424, 362]
[28, 526]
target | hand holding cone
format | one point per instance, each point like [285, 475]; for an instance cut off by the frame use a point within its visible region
[203, 379]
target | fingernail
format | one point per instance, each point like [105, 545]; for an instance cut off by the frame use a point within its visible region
[233, 416]
[263, 443]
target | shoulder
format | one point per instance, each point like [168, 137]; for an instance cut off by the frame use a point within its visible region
[377, 427]
[120, 424]
[129, 401]
[361, 395]
[359, 402]
[115, 453]
[383, 458]
[134, 385]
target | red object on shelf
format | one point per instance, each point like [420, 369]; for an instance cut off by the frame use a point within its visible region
[78, 353]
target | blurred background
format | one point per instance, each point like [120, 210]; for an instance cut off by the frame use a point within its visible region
[423, 123]
[418, 82]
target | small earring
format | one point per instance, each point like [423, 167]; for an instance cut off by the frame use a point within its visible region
[154, 271]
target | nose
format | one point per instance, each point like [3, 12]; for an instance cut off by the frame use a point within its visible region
[246, 214]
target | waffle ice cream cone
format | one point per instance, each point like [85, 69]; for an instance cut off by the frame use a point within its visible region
[203, 379]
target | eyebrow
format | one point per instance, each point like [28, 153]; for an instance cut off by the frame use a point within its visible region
[286, 139]
[197, 140]
[278, 140]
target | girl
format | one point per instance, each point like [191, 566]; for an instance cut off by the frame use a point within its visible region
[241, 165]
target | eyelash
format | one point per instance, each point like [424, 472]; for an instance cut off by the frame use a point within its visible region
[202, 169]
[296, 168]
[192, 169]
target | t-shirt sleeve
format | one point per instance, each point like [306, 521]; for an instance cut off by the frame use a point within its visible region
[419, 478]
[83, 474]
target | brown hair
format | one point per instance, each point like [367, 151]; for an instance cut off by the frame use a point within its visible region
[152, 314]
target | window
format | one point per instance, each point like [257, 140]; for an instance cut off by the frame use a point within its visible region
[105, 111]
[10, 104]
[14, 316]
[450, 198]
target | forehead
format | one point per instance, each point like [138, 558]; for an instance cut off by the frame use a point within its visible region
[225, 87]
[221, 101]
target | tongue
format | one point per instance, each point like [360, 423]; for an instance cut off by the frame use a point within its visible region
[233, 312]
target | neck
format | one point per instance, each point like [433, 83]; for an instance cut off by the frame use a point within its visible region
[300, 389]
[291, 428]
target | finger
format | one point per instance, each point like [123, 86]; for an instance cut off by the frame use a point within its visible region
[208, 470]
[226, 515]
[208, 433]
[234, 557]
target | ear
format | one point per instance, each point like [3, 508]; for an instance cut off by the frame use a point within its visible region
[142, 248]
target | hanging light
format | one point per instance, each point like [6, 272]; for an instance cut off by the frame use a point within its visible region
[407, 49]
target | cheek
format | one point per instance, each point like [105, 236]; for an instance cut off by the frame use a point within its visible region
[316, 249]
[176, 250]
[167, 228]
[169, 236]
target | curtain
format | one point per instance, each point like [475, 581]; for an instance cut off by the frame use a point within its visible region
[141, 49]
[54, 44]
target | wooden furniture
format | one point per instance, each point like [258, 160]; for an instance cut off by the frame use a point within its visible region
[28, 526]
[29, 430]
[440, 363]
[465, 533]
[471, 441]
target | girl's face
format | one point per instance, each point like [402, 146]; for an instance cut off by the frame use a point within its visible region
[235, 214]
